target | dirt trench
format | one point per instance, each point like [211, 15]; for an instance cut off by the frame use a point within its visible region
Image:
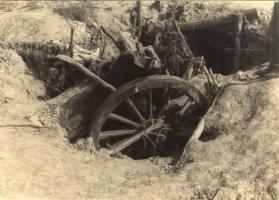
[38, 162]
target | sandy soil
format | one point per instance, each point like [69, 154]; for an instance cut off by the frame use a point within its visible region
[40, 25]
[37, 161]
[241, 163]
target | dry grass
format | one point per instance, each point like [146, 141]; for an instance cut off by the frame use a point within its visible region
[83, 11]
[36, 55]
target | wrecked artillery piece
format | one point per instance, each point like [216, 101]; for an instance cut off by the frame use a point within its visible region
[146, 103]
[142, 105]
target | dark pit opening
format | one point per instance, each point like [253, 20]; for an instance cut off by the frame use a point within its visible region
[216, 44]
[211, 45]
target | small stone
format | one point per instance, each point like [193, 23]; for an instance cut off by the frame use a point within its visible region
[274, 191]
[225, 194]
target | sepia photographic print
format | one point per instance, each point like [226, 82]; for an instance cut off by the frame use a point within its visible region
[139, 100]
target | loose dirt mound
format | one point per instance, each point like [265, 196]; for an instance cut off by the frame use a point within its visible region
[38, 26]
[245, 155]
[17, 81]
[19, 91]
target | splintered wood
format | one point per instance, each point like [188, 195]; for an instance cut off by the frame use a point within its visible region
[185, 157]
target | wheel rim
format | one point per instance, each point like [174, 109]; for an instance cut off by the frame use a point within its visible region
[143, 124]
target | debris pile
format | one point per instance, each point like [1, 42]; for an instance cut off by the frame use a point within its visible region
[160, 41]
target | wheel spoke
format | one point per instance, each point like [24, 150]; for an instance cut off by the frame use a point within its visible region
[122, 144]
[149, 107]
[135, 110]
[123, 120]
[186, 107]
[115, 133]
[164, 101]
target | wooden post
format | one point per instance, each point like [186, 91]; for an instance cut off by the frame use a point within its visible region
[139, 18]
[274, 32]
[71, 48]
[237, 42]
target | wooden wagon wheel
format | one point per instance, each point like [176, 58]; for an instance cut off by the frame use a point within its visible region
[141, 124]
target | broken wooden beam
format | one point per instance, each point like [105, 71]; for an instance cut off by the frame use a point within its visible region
[83, 69]
[237, 42]
[250, 15]
[185, 46]
[209, 76]
[212, 77]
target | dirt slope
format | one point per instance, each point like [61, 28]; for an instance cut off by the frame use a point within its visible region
[16, 79]
[37, 163]
[40, 25]
[245, 154]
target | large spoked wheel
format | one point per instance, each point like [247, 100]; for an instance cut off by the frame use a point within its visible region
[142, 108]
